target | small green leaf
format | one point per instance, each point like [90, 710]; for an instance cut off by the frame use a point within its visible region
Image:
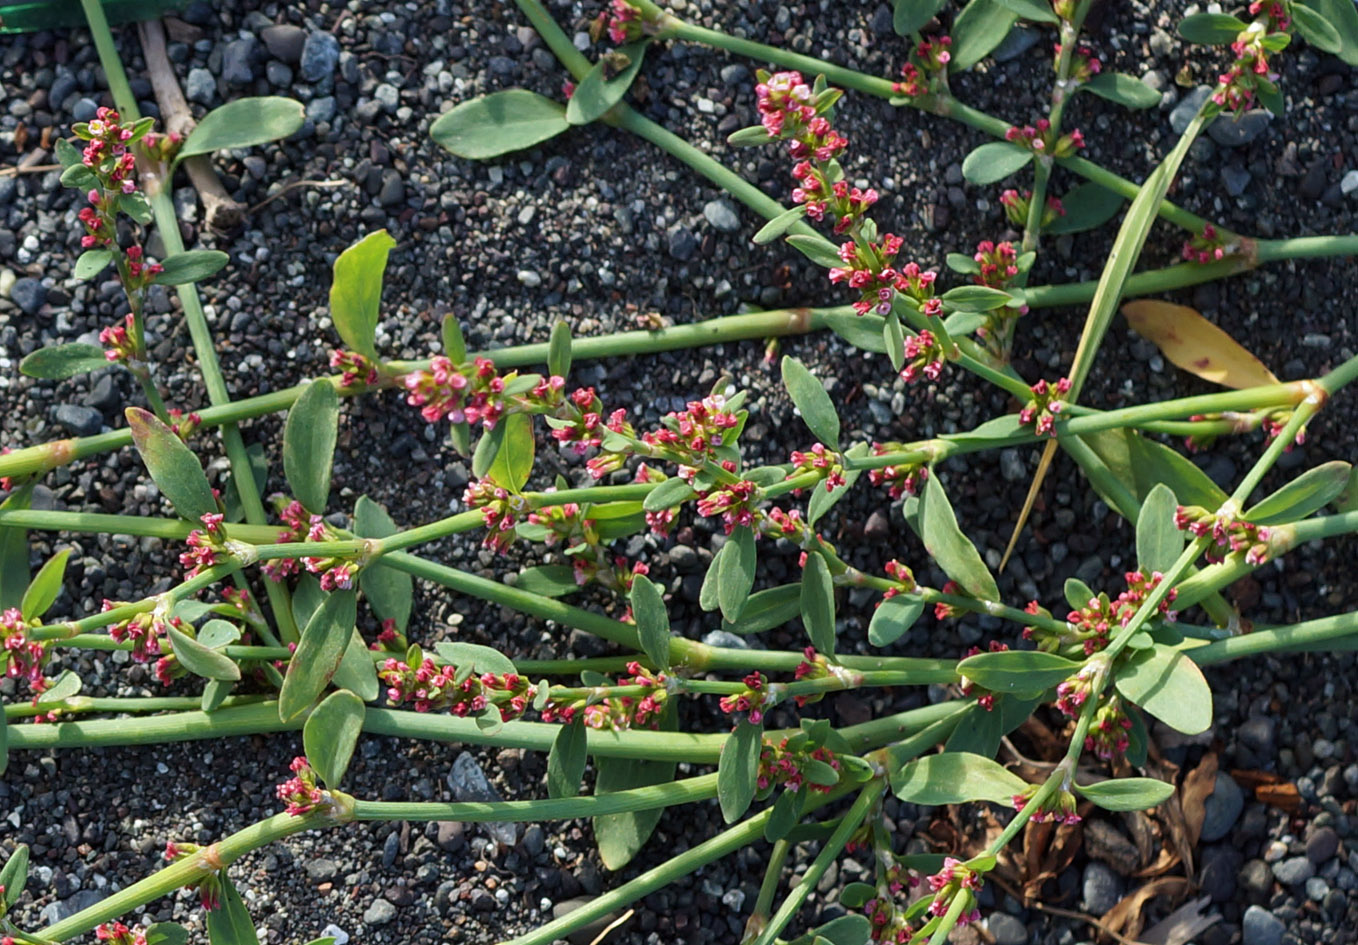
[318, 655]
[1025, 671]
[199, 659]
[779, 225]
[356, 291]
[979, 28]
[653, 622]
[92, 262]
[823, 501]
[218, 633]
[893, 339]
[79, 177]
[548, 580]
[1210, 29]
[1087, 206]
[1315, 29]
[955, 777]
[1168, 685]
[737, 768]
[330, 734]
[737, 572]
[1077, 593]
[193, 265]
[767, 609]
[566, 760]
[309, 437]
[45, 587]
[357, 672]
[1127, 793]
[454, 345]
[709, 595]
[893, 618]
[1343, 16]
[1309, 492]
[818, 603]
[4, 743]
[307, 598]
[62, 361]
[1158, 540]
[483, 659]
[814, 404]
[14, 573]
[846, 930]
[499, 123]
[389, 592]
[14, 875]
[215, 692]
[861, 331]
[1122, 89]
[909, 16]
[951, 549]
[671, 492]
[167, 933]
[67, 685]
[559, 350]
[749, 137]
[244, 123]
[994, 161]
[597, 93]
[513, 462]
[975, 298]
[229, 923]
[818, 249]
[173, 467]
[621, 836]
[1036, 11]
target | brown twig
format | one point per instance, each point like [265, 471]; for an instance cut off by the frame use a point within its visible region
[1065, 913]
[293, 186]
[28, 169]
[220, 212]
[612, 925]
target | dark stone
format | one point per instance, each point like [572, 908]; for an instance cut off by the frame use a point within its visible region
[79, 420]
[29, 294]
[284, 42]
[320, 54]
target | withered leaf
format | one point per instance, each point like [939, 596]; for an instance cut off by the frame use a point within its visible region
[1193, 343]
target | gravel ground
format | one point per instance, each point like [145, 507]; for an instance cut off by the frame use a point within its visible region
[560, 232]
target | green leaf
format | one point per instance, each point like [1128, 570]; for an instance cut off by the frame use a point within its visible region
[214, 693]
[68, 684]
[951, 549]
[653, 622]
[737, 768]
[597, 93]
[45, 587]
[62, 361]
[893, 339]
[307, 598]
[1023, 671]
[779, 225]
[309, 437]
[956, 778]
[1168, 685]
[749, 137]
[566, 760]
[4, 743]
[809, 397]
[909, 16]
[229, 923]
[1087, 206]
[996, 431]
[1122, 89]
[548, 580]
[14, 574]
[975, 298]
[499, 123]
[199, 659]
[818, 249]
[861, 331]
[483, 659]
[318, 655]
[14, 875]
[1140, 464]
[389, 592]
[621, 836]
[1077, 593]
[172, 465]
[1210, 29]
[218, 633]
[1036, 11]
[671, 492]
[92, 262]
[893, 618]
[513, 462]
[1158, 540]
[767, 609]
[818, 603]
[785, 814]
[994, 161]
[737, 572]
[330, 734]
[244, 123]
[1309, 492]
[846, 930]
[1315, 29]
[979, 28]
[1127, 793]
[559, 350]
[356, 291]
[1343, 16]
[357, 672]
[454, 345]
[167, 933]
[136, 207]
[709, 595]
[79, 177]
[193, 265]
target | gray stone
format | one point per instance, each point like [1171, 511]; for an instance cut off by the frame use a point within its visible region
[379, 913]
[1322, 844]
[1261, 927]
[726, 640]
[469, 783]
[1235, 132]
[451, 836]
[1350, 183]
[1258, 735]
[63, 909]
[200, 86]
[734, 74]
[722, 216]
[320, 54]
[1102, 888]
[1183, 113]
[1220, 867]
[393, 190]
[280, 75]
[85, 109]
[1235, 178]
[1006, 929]
[29, 294]
[681, 243]
[1317, 889]
[1294, 870]
[529, 278]
[387, 96]
[103, 396]
[1257, 879]
[534, 840]
[321, 870]
[1012, 466]
[1019, 41]
[78, 420]
[321, 109]
[237, 65]
[284, 41]
[1222, 808]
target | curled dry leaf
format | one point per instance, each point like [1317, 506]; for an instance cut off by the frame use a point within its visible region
[1197, 787]
[1196, 345]
[1126, 917]
[1182, 925]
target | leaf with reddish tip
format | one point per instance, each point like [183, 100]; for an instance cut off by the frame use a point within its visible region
[176, 471]
[1193, 343]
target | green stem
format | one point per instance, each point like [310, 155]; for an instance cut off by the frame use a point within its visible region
[22, 710]
[1303, 636]
[768, 888]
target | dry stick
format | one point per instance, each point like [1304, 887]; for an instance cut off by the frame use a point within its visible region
[598, 939]
[220, 212]
[293, 186]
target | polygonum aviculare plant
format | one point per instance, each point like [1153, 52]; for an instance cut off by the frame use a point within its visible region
[300, 615]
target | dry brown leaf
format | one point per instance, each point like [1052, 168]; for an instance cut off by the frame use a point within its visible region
[1196, 345]
[1197, 787]
[1182, 925]
[1143, 833]
[1125, 918]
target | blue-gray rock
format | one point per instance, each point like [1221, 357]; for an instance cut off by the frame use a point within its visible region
[681, 243]
[726, 639]
[1222, 808]
[1006, 929]
[62, 86]
[1019, 41]
[1233, 132]
[321, 109]
[1101, 888]
[63, 909]
[1317, 889]
[1261, 927]
[1258, 735]
[379, 913]
[1220, 866]
[1235, 178]
[278, 74]
[1188, 106]
[284, 41]
[722, 216]
[103, 396]
[735, 73]
[79, 420]
[387, 96]
[1257, 879]
[1294, 870]
[237, 65]
[8, 186]
[320, 54]
[29, 294]
[393, 190]
[534, 840]
[469, 783]
[200, 86]
[1322, 844]
[85, 109]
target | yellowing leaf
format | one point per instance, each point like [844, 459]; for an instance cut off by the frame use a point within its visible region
[1196, 345]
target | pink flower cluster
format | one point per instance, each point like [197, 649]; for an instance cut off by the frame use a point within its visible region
[1088, 626]
[661, 521]
[1041, 412]
[924, 357]
[622, 22]
[789, 108]
[205, 545]
[1059, 808]
[900, 480]
[984, 697]
[115, 933]
[300, 792]
[500, 509]
[931, 59]
[869, 268]
[1016, 208]
[21, 658]
[904, 578]
[144, 630]
[1250, 72]
[820, 460]
[1209, 246]
[429, 687]
[459, 393]
[737, 504]
[998, 264]
[617, 713]
[955, 879]
[1229, 534]
[1040, 139]
[888, 922]
[580, 423]
[1107, 736]
[117, 341]
[780, 766]
[336, 573]
[1073, 693]
[694, 435]
[813, 666]
[750, 700]
[356, 370]
[1083, 65]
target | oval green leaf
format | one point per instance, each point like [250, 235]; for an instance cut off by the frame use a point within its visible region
[566, 760]
[92, 262]
[199, 659]
[499, 123]
[671, 492]
[513, 462]
[1018, 670]
[548, 580]
[597, 93]
[1127, 793]
[818, 603]
[356, 291]
[1158, 540]
[1122, 89]
[956, 777]
[779, 225]
[172, 465]
[318, 655]
[389, 592]
[818, 249]
[946, 544]
[1036, 11]
[979, 28]
[62, 361]
[244, 123]
[893, 618]
[811, 400]
[737, 768]
[1086, 206]
[653, 622]
[767, 609]
[1315, 29]
[483, 659]
[309, 437]
[1309, 492]
[1168, 685]
[994, 161]
[736, 577]
[229, 923]
[14, 875]
[559, 350]
[330, 734]
[194, 265]
[1210, 29]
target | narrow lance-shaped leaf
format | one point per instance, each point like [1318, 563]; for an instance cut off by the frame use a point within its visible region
[318, 654]
[1315, 29]
[62, 361]
[513, 462]
[244, 123]
[172, 465]
[14, 874]
[810, 398]
[653, 622]
[230, 923]
[1343, 16]
[737, 769]
[736, 576]
[1123, 90]
[559, 350]
[596, 93]
[356, 291]
[1158, 540]
[330, 734]
[1127, 793]
[779, 225]
[1309, 492]
[194, 265]
[946, 544]
[309, 437]
[45, 587]
[1210, 29]
[818, 603]
[14, 573]
[567, 758]
[499, 123]
[767, 609]
[956, 777]
[1018, 670]
[818, 249]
